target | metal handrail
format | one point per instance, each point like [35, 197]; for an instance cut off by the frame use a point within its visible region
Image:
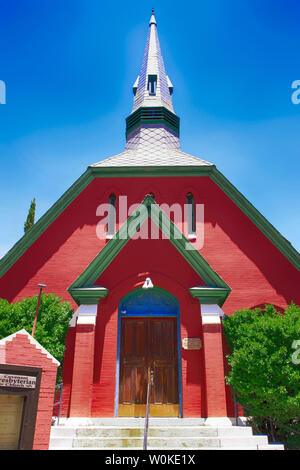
[59, 402]
[149, 385]
[270, 420]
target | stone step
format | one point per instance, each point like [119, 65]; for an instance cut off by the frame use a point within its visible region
[163, 442]
[163, 434]
[158, 431]
[253, 447]
[166, 443]
[136, 422]
[272, 446]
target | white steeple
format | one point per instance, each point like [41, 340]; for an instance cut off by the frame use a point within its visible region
[152, 128]
[152, 87]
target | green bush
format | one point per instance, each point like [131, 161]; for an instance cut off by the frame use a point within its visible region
[263, 371]
[51, 327]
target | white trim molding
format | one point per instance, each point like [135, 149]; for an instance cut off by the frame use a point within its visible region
[87, 314]
[211, 314]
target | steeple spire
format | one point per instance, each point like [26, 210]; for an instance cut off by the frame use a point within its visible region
[152, 87]
[152, 128]
[152, 112]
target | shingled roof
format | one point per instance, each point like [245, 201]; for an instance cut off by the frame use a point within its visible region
[146, 158]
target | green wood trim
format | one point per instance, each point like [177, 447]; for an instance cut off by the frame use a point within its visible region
[152, 115]
[210, 295]
[115, 245]
[43, 223]
[152, 121]
[185, 248]
[254, 215]
[88, 296]
[151, 171]
[283, 245]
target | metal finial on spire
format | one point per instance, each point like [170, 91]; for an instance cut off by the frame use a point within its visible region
[152, 19]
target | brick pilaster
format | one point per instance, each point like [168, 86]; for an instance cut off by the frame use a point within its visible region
[83, 368]
[214, 361]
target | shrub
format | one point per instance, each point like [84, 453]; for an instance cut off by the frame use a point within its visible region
[51, 327]
[264, 373]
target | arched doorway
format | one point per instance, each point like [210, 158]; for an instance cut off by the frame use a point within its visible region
[149, 340]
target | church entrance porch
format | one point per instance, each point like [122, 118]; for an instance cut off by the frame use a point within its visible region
[149, 342]
[148, 345]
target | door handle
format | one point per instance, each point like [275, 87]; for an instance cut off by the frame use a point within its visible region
[151, 376]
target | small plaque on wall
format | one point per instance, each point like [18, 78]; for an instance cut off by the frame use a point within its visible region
[191, 343]
[17, 381]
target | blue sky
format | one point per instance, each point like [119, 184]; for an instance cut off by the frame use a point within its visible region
[69, 67]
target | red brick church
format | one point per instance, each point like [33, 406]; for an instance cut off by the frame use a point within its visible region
[152, 247]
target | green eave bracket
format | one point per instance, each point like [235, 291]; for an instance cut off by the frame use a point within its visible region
[210, 295]
[87, 295]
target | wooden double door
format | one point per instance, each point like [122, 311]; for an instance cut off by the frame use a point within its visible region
[148, 344]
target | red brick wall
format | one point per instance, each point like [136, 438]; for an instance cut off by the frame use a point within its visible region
[251, 265]
[21, 352]
[68, 371]
[82, 383]
[214, 371]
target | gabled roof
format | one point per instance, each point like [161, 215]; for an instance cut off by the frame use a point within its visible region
[281, 243]
[147, 209]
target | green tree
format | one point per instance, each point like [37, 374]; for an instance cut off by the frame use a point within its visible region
[52, 323]
[263, 371]
[30, 217]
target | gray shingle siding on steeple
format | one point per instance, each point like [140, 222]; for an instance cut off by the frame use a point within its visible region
[156, 143]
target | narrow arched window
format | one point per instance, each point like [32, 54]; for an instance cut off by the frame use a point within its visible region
[111, 218]
[152, 83]
[191, 217]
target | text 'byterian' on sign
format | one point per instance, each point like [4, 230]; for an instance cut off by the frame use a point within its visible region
[17, 381]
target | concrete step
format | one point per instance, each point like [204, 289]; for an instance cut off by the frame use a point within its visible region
[158, 431]
[154, 442]
[269, 447]
[165, 443]
[135, 422]
[164, 434]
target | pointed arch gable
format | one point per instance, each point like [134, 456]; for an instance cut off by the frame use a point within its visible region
[147, 209]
